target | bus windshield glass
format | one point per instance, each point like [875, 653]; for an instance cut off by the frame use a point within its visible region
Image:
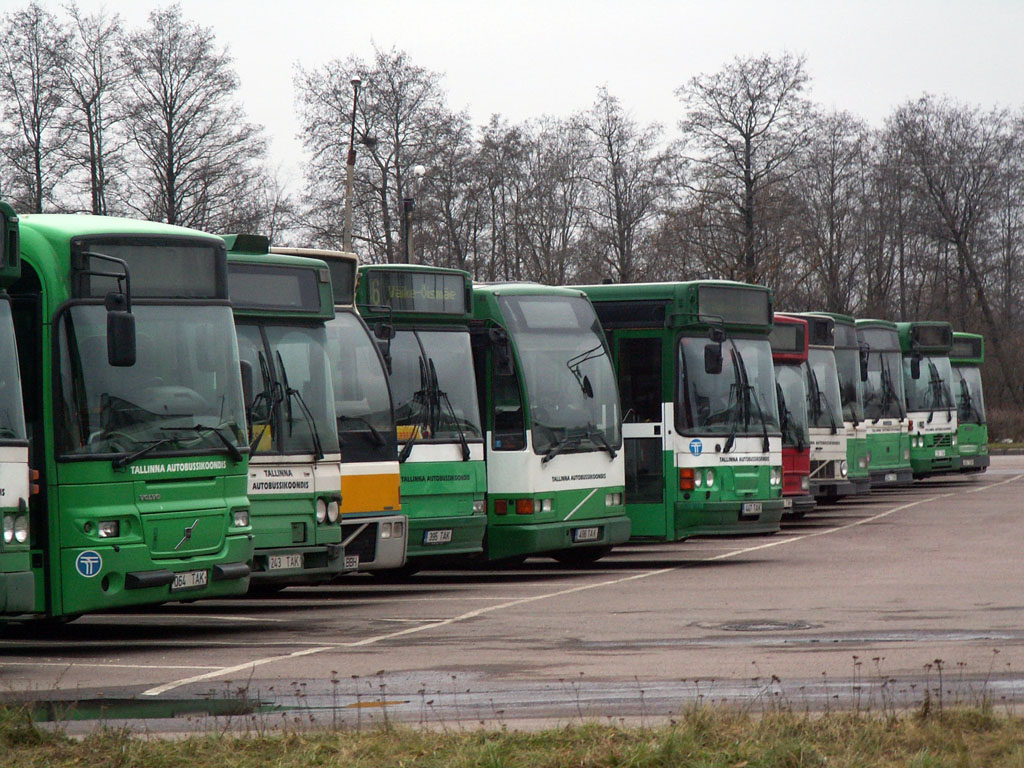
[850, 385]
[883, 391]
[184, 390]
[12, 414]
[824, 407]
[970, 404]
[366, 425]
[741, 399]
[570, 382]
[931, 390]
[433, 386]
[791, 388]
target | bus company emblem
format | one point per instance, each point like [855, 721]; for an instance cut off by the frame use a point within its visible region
[188, 534]
[696, 447]
[89, 563]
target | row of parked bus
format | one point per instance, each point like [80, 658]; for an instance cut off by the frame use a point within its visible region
[189, 416]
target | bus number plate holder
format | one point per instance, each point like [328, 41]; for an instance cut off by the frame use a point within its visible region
[750, 509]
[441, 536]
[968, 462]
[283, 562]
[940, 453]
[890, 477]
[189, 580]
[787, 503]
[351, 562]
[586, 534]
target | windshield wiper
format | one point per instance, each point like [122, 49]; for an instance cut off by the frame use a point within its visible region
[318, 450]
[123, 461]
[760, 415]
[422, 398]
[378, 438]
[201, 429]
[443, 397]
[821, 396]
[574, 363]
[560, 446]
[597, 437]
[737, 385]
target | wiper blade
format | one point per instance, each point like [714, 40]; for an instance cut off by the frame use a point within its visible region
[318, 450]
[123, 461]
[377, 436]
[201, 429]
[597, 436]
[560, 447]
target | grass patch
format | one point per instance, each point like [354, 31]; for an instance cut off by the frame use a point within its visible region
[704, 737]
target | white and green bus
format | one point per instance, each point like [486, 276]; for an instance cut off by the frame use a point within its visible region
[967, 357]
[703, 445]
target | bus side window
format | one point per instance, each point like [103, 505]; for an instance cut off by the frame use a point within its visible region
[507, 412]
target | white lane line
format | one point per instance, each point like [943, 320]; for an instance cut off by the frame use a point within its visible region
[260, 619]
[993, 485]
[71, 664]
[251, 665]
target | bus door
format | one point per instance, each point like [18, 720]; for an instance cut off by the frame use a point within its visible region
[638, 364]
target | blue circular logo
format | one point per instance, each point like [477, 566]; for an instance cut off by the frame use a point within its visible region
[89, 563]
[696, 447]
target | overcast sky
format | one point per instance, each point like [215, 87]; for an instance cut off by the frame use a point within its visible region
[533, 57]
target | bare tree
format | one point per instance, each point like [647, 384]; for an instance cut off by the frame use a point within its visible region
[195, 150]
[33, 106]
[744, 124]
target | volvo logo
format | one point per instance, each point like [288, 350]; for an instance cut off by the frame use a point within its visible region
[188, 534]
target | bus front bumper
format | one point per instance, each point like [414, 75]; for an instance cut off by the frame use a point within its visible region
[727, 518]
[512, 540]
[977, 463]
[831, 489]
[297, 565]
[892, 478]
[17, 592]
[861, 484]
[798, 505]
[371, 543]
[433, 536]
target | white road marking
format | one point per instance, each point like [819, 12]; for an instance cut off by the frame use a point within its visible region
[70, 664]
[993, 485]
[251, 665]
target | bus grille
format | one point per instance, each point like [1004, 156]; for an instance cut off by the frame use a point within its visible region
[943, 441]
[364, 545]
[820, 470]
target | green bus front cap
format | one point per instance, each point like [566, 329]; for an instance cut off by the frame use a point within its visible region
[414, 291]
[968, 349]
[702, 303]
[10, 250]
[247, 243]
[926, 337]
[272, 284]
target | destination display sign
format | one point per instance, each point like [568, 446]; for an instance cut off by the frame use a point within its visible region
[263, 286]
[932, 336]
[343, 281]
[879, 339]
[971, 347]
[420, 292]
[787, 337]
[737, 305]
[822, 330]
[165, 268]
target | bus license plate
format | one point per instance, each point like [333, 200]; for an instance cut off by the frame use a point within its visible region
[787, 503]
[189, 580]
[940, 452]
[890, 477]
[751, 509]
[351, 562]
[586, 534]
[968, 462]
[442, 536]
[283, 562]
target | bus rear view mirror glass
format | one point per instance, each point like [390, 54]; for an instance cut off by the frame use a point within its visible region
[915, 368]
[247, 382]
[863, 365]
[384, 331]
[712, 359]
[120, 339]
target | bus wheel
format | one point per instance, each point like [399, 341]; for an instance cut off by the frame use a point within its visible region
[579, 558]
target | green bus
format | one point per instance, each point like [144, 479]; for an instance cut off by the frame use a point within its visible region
[134, 414]
[888, 437]
[851, 370]
[281, 305]
[424, 313]
[550, 407]
[374, 530]
[928, 389]
[702, 441]
[17, 583]
[966, 358]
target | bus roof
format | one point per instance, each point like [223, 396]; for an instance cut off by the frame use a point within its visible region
[343, 266]
[698, 303]
[788, 339]
[968, 349]
[485, 296]
[262, 284]
[415, 292]
[926, 337]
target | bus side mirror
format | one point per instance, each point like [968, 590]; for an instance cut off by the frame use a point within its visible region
[863, 365]
[502, 353]
[915, 368]
[384, 331]
[248, 383]
[713, 359]
[120, 331]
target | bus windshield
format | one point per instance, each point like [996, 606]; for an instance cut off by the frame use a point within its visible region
[791, 388]
[292, 410]
[184, 390]
[12, 414]
[741, 399]
[850, 385]
[823, 399]
[883, 391]
[931, 390]
[570, 382]
[970, 403]
[433, 385]
[362, 406]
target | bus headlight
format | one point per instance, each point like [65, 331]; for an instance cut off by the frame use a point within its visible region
[385, 530]
[775, 476]
[8, 529]
[332, 511]
[867, 457]
[709, 477]
[843, 468]
[698, 480]
[21, 529]
[479, 506]
[805, 483]
[321, 510]
[862, 462]
[240, 518]
[906, 454]
[108, 529]
[954, 440]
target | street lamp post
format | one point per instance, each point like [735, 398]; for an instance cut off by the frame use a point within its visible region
[350, 166]
[408, 204]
